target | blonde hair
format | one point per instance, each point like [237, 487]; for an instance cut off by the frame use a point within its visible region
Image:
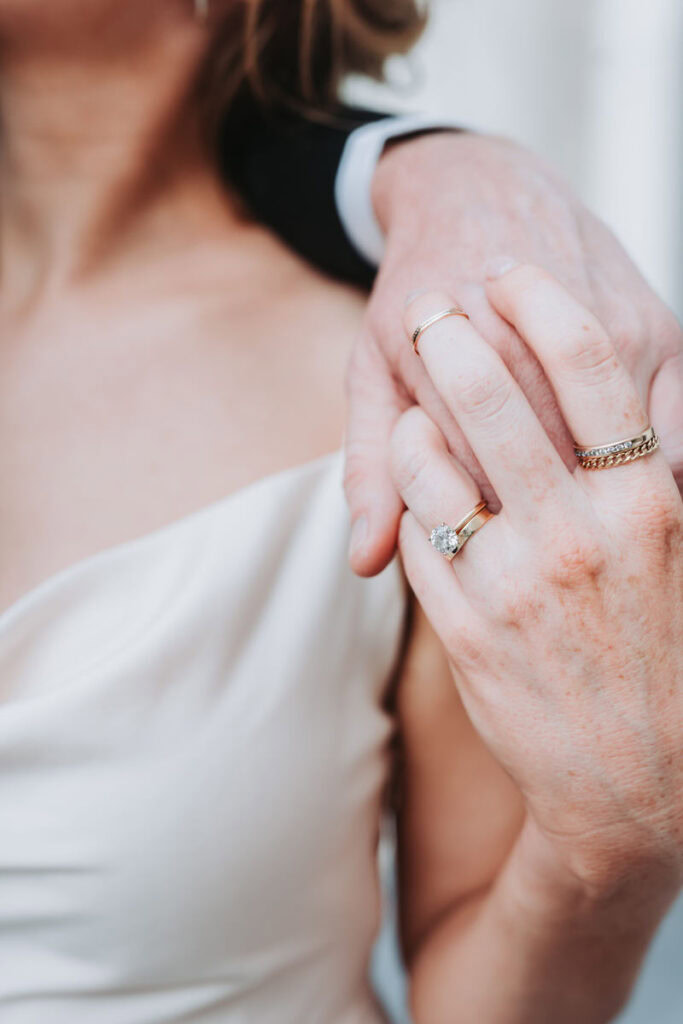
[294, 53]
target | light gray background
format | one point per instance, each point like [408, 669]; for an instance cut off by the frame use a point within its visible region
[596, 86]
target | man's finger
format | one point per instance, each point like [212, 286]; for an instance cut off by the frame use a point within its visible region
[374, 405]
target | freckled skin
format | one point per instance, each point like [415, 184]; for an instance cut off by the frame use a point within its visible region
[577, 598]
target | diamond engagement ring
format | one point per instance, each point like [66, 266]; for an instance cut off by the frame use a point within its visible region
[449, 540]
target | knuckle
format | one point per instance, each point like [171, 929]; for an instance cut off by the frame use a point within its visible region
[516, 603]
[484, 397]
[521, 285]
[422, 298]
[525, 277]
[591, 356]
[575, 559]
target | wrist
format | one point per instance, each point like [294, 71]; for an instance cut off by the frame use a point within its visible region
[585, 941]
[599, 894]
[403, 170]
[412, 170]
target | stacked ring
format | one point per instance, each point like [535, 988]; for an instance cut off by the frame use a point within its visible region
[604, 456]
[449, 540]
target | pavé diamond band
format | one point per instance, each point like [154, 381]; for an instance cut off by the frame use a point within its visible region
[449, 540]
[604, 456]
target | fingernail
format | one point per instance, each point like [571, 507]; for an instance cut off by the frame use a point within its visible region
[496, 268]
[359, 532]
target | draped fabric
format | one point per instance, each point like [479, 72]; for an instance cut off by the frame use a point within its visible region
[193, 752]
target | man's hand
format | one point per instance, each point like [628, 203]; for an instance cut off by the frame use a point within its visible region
[452, 205]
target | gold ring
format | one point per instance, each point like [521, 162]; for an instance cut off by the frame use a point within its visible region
[470, 515]
[604, 456]
[475, 523]
[449, 540]
[421, 328]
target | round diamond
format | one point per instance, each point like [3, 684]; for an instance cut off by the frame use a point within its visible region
[444, 539]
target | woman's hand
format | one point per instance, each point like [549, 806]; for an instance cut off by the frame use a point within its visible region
[563, 616]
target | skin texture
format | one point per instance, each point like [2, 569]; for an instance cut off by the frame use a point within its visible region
[143, 374]
[563, 623]
[452, 205]
[160, 351]
[135, 335]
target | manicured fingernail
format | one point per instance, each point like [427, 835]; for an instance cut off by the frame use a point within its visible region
[359, 533]
[496, 268]
[411, 296]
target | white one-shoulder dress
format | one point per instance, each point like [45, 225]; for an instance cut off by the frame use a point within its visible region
[193, 751]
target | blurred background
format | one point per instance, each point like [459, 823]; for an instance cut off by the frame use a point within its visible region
[595, 86]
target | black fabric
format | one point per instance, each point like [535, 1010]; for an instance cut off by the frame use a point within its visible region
[284, 167]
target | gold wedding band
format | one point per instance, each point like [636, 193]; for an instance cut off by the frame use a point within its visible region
[604, 456]
[470, 515]
[422, 327]
[449, 540]
[475, 523]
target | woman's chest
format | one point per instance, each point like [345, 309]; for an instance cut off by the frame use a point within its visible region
[111, 428]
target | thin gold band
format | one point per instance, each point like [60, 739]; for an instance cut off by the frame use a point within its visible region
[470, 515]
[474, 524]
[421, 328]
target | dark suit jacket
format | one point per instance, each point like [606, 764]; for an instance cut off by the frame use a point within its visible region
[284, 167]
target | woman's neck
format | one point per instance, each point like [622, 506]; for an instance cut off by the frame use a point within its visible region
[101, 154]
